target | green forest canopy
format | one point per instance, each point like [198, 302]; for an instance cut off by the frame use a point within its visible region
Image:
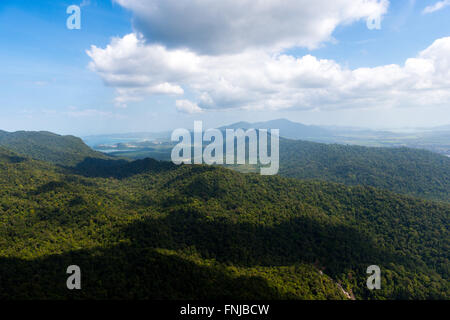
[149, 229]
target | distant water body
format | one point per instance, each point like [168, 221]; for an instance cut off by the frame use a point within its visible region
[113, 150]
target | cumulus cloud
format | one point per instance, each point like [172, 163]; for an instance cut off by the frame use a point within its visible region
[437, 6]
[187, 106]
[229, 55]
[260, 80]
[136, 70]
[230, 26]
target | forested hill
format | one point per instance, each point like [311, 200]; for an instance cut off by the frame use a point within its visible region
[47, 146]
[415, 172]
[407, 171]
[202, 232]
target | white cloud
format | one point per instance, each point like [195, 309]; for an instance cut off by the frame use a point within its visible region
[259, 80]
[136, 70]
[437, 6]
[187, 106]
[230, 26]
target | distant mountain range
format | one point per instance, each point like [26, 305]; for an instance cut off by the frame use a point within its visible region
[288, 129]
[432, 139]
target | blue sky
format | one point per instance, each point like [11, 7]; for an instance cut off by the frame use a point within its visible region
[46, 82]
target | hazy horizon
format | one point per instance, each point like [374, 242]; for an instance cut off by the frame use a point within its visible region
[169, 129]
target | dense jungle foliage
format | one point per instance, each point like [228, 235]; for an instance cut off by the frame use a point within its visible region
[402, 170]
[153, 230]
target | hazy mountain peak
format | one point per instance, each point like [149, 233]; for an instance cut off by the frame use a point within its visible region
[288, 128]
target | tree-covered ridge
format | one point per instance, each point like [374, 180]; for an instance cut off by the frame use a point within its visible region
[402, 170]
[413, 172]
[407, 171]
[47, 146]
[191, 232]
